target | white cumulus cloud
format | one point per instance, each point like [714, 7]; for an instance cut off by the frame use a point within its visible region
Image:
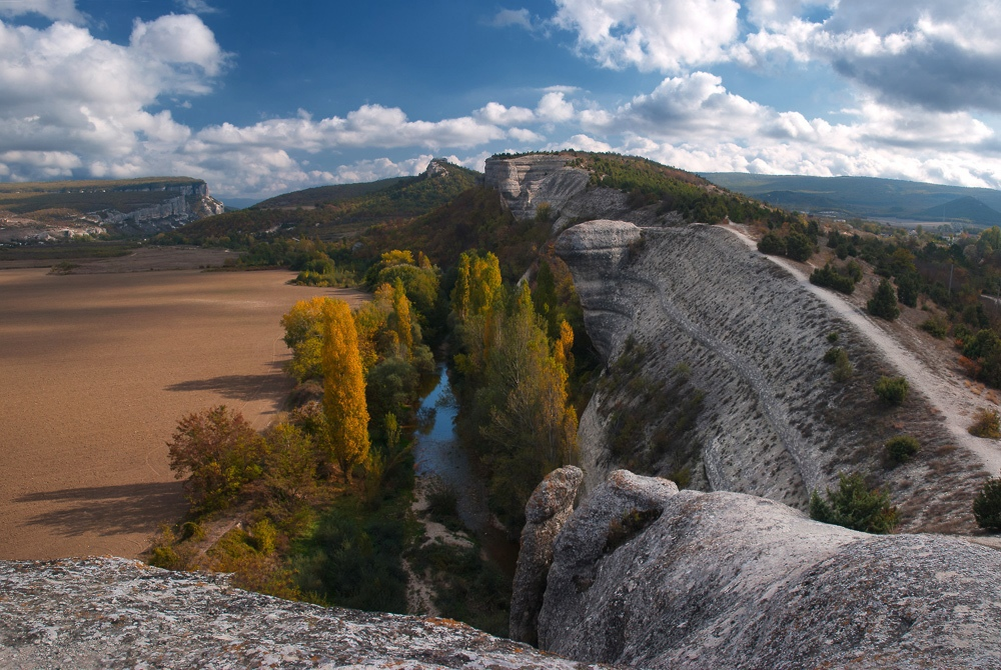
[661, 35]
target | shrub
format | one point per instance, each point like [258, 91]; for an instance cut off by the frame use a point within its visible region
[935, 326]
[833, 336]
[986, 423]
[834, 354]
[892, 390]
[854, 505]
[884, 303]
[830, 277]
[987, 505]
[900, 449]
[772, 244]
[799, 247]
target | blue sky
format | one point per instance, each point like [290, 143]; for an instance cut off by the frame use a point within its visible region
[260, 98]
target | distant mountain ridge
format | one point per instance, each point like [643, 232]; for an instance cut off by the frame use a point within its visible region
[869, 197]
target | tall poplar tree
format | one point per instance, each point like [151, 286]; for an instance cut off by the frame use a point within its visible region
[344, 389]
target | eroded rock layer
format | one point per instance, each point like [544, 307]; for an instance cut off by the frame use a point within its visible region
[706, 315]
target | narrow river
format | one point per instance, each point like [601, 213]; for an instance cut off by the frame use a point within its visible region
[438, 454]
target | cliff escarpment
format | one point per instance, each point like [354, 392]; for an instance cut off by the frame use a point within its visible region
[716, 378]
[647, 576]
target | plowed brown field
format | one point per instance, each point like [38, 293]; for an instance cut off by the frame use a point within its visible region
[95, 371]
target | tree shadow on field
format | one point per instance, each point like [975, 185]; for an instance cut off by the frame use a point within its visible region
[236, 387]
[108, 510]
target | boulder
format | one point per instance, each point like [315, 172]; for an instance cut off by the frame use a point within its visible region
[547, 510]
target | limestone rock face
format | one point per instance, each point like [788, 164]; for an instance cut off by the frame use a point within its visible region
[191, 203]
[115, 613]
[526, 182]
[547, 510]
[649, 577]
[596, 252]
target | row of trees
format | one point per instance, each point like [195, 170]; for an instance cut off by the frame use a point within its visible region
[513, 382]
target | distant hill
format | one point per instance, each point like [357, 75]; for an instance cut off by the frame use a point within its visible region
[321, 195]
[334, 212]
[869, 197]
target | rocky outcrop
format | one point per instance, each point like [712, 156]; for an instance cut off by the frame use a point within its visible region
[115, 613]
[751, 340]
[525, 182]
[651, 577]
[547, 510]
[192, 202]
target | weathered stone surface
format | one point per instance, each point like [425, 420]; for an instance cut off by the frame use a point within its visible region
[649, 577]
[526, 182]
[773, 421]
[115, 613]
[547, 510]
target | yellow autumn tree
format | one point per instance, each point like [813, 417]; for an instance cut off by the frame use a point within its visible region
[344, 389]
[403, 325]
[303, 326]
[476, 301]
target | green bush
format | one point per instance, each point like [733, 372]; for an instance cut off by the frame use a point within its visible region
[799, 247]
[987, 505]
[772, 244]
[900, 449]
[936, 326]
[854, 505]
[832, 278]
[843, 369]
[892, 390]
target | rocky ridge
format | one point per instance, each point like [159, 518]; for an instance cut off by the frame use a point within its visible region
[647, 576]
[115, 613]
[774, 422]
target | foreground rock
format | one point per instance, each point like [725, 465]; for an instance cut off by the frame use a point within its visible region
[114, 613]
[646, 576]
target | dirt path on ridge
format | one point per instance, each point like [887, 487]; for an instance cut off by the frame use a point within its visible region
[944, 389]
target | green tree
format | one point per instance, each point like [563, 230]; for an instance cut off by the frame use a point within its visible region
[344, 389]
[531, 428]
[884, 302]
